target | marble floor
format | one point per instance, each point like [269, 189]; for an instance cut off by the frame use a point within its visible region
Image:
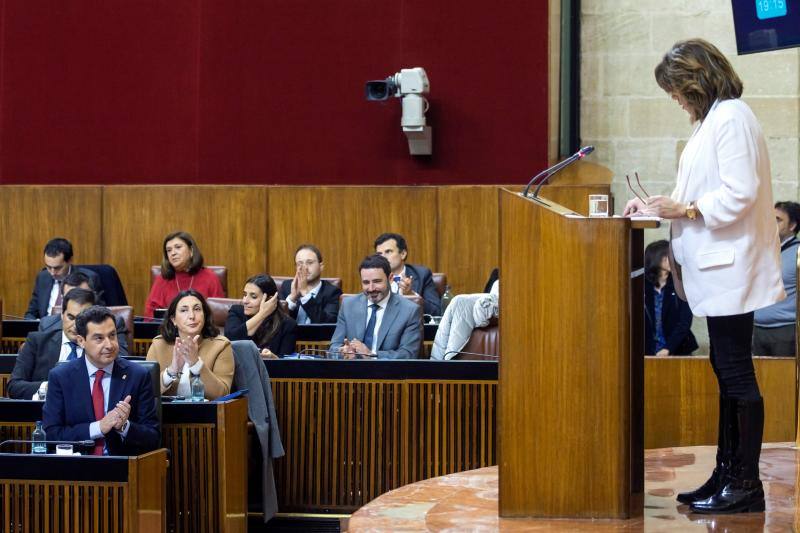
[468, 501]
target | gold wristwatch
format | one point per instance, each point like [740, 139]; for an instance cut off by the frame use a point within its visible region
[691, 211]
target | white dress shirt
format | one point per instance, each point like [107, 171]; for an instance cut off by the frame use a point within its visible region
[393, 284]
[184, 384]
[378, 319]
[302, 317]
[94, 427]
[66, 349]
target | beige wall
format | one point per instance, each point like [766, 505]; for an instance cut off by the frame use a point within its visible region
[635, 126]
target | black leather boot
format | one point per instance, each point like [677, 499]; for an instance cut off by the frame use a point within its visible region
[727, 437]
[742, 491]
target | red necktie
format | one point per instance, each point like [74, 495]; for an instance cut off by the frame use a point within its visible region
[56, 310]
[98, 401]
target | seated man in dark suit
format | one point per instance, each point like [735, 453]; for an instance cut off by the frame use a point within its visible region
[100, 396]
[47, 287]
[377, 323]
[43, 349]
[79, 280]
[310, 300]
[405, 277]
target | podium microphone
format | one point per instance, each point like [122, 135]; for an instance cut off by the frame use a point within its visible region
[541, 178]
[84, 443]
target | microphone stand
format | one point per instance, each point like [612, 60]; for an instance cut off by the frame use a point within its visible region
[82, 443]
[541, 178]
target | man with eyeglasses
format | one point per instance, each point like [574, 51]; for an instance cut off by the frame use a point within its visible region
[310, 300]
[47, 287]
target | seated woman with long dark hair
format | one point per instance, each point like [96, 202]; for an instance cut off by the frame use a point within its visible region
[190, 345]
[668, 319]
[260, 319]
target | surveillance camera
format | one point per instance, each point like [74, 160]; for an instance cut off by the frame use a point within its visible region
[407, 81]
[409, 84]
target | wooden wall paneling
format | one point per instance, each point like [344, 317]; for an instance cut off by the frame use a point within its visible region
[229, 224]
[682, 400]
[344, 221]
[29, 217]
[467, 236]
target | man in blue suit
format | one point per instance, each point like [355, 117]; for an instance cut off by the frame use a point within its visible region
[101, 397]
[406, 278]
[47, 287]
[377, 322]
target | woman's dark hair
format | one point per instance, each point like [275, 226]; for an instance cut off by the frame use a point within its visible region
[169, 331]
[195, 263]
[700, 73]
[272, 324]
[653, 255]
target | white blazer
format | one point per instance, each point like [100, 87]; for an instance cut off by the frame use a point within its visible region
[730, 256]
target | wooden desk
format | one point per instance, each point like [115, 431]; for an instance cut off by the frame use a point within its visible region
[44, 493]
[310, 336]
[207, 481]
[356, 429]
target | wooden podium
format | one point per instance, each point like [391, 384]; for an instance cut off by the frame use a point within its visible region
[570, 401]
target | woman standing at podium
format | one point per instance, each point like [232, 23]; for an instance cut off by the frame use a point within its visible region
[725, 254]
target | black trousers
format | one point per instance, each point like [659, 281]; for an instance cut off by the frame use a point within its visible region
[732, 355]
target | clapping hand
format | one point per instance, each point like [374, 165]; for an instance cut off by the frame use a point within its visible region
[116, 418]
[188, 349]
[404, 285]
[300, 283]
[123, 410]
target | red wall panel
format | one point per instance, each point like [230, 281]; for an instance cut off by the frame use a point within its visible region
[267, 91]
[99, 91]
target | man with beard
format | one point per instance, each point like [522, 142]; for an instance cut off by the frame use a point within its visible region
[377, 323]
[311, 300]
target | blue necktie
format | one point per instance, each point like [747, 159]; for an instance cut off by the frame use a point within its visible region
[302, 316]
[74, 353]
[370, 333]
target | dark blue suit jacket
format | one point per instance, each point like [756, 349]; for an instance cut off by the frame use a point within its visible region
[676, 319]
[422, 284]
[68, 411]
[321, 309]
[37, 307]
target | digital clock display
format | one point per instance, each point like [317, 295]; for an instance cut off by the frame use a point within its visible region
[767, 9]
[764, 25]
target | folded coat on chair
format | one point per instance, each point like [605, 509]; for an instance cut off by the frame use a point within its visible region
[250, 373]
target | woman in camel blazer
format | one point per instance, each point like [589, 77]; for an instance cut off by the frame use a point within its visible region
[190, 345]
[726, 255]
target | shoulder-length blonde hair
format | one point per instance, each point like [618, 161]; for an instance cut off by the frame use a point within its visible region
[696, 70]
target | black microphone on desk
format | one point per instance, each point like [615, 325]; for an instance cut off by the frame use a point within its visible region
[541, 178]
[83, 443]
